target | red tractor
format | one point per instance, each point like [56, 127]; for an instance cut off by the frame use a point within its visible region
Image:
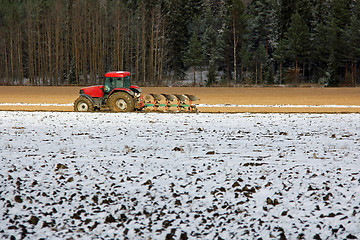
[118, 95]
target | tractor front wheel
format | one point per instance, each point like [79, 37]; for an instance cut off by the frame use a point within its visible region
[121, 102]
[83, 104]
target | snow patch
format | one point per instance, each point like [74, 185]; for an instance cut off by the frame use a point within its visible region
[38, 104]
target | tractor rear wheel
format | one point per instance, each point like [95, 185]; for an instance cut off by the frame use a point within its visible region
[121, 102]
[83, 104]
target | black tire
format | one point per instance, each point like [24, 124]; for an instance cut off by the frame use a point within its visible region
[121, 102]
[83, 104]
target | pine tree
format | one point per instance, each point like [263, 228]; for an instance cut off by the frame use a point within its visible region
[280, 55]
[11, 13]
[236, 25]
[260, 58]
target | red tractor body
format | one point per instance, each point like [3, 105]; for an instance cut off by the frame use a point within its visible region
[117, 74]
[94, 91]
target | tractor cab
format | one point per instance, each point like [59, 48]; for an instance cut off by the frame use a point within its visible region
[116, 80]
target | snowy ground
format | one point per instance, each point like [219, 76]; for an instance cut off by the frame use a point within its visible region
[179, 176]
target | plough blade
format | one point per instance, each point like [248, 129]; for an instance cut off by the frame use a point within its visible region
[181, 98]
[169, 97]
[169, 102]
[192, 97]
[157, 97]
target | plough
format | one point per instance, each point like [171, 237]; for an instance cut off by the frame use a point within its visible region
[181, 102]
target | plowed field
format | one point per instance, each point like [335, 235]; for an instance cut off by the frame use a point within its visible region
[319, 100]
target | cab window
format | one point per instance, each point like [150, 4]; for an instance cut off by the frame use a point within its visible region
[127, 82]
[119, 82]
[109, 84]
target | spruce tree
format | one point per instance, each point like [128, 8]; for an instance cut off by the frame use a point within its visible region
[338, 40]
[321, 50]
[298, 38]
[223, 52]
[287, 9]
[353, 41]
[263, 32]
[193, 56]
[305, 10]
[209, 45]
[320, 47]
[263, 25]
[246, 61]
[332, 73]
[179, 14]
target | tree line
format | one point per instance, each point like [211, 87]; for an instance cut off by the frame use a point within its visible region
[235, 42]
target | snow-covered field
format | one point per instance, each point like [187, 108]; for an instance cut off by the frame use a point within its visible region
[179, 176]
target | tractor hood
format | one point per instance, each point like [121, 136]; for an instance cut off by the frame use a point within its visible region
[93, 91]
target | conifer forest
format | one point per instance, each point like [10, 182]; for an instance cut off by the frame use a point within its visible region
[233, 42]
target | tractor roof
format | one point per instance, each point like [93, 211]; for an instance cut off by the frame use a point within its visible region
[117, 74]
